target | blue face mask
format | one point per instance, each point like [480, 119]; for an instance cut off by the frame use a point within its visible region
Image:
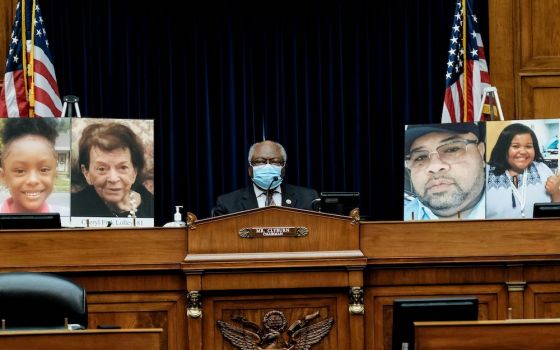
[263, 176]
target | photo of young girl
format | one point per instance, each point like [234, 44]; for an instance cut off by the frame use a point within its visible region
[30, 165]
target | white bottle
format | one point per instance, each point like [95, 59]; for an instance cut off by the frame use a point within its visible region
[177, 219]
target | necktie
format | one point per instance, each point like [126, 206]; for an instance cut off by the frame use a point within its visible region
[269, 198]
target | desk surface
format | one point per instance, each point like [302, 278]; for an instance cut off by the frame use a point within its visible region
[527, 334]
[140, 277]
[122, 339]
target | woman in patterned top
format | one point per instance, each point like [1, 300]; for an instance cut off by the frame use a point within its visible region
[517, 176]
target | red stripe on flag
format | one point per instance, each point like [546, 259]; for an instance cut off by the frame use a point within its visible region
[21, 97]
[481, 54]
[40, 68]
[14, 91]
[449, 104]
[3, 110]
[43, 97]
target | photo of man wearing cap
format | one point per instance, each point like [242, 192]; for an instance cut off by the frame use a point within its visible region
[445, 171]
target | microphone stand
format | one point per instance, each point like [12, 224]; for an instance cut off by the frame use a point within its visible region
[267, 201]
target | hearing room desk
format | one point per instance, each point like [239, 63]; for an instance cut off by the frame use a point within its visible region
[121, 339]
[540, 334]
[185, 279]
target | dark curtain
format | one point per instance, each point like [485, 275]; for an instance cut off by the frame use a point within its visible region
[334, 81]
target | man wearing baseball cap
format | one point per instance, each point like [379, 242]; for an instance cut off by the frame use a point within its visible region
[445, 163]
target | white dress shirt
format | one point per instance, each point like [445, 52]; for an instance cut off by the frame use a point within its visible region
[261, 196]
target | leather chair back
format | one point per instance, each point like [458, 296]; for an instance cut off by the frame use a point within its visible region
[38, 300]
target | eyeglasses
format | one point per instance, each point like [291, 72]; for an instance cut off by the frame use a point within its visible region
[263, 161]
[449, 153]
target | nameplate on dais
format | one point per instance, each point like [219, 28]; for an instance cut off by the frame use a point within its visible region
[265, 232]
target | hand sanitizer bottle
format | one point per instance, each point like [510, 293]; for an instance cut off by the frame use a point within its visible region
[177, 219]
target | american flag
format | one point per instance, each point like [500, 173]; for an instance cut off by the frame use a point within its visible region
[475, 69]
[18, 96]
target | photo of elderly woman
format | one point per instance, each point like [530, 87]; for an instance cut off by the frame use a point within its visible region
[519, 175]
[35, 166]
[113, 177]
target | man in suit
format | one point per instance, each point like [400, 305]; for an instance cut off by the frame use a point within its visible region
[267, 161]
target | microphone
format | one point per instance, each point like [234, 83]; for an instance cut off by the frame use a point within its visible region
[267, 201]
[316, 204]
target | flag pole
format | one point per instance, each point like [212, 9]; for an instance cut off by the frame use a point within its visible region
[24, 46]
[465, 62]
[31, 70]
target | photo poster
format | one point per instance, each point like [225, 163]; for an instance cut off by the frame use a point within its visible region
[35, 166]
[444, 171]
[112, 178]
[521, 155]
[521, 169]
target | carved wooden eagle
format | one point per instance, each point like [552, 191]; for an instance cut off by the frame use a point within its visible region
[301, 336]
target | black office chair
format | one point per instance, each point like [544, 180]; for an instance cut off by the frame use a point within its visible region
[41, 300]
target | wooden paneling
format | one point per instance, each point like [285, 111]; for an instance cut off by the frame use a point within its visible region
[525, 56]
[502, 30]
[132, 277]
[433, 273]
[126, 339]
[139, 277]
[221, 234]
[7, 13]
[294, 308]
[92, 249]
[484, 335]
[236, 275]
[142, 310]
[274, 279]
[540, 96]
[540, 34]
[483, 240]
[379, 303]
[542, 300]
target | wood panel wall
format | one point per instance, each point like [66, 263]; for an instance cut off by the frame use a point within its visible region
[525, 57]
[7, 13]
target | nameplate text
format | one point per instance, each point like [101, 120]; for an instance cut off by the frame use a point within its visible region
[265, 232]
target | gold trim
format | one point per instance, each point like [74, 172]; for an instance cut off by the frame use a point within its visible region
[269, 232]
[517, 286]
[194, 304]
[191, 219]
[356, 301]
[355, 215]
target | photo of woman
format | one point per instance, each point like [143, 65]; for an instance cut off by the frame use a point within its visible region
[112, 179]
[518, 174]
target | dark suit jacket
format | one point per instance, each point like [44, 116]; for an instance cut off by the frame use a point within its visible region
[245, 199]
